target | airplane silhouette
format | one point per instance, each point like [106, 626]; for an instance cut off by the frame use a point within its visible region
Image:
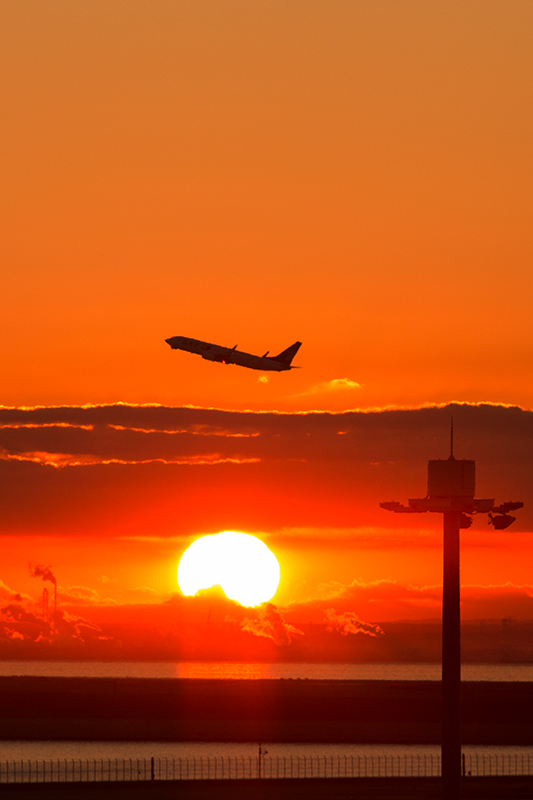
[230, 355]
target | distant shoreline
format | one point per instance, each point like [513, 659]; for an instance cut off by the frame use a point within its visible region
[242, 670]
[483, 642]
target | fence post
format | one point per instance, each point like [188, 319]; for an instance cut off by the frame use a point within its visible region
[152, 769]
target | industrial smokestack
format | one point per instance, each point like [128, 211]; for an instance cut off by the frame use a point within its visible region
[46, 611]
[40, 571]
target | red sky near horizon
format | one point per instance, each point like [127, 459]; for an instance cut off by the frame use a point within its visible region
[356, 176]
[111, 496]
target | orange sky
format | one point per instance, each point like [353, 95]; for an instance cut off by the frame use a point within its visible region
[353, 175]
[356, 176]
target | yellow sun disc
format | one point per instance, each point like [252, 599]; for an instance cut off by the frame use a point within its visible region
[241, 564]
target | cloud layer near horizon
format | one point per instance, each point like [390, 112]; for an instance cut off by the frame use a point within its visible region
[119, 491]
[111, 468]
[349, 610]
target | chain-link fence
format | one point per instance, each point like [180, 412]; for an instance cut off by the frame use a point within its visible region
[267, 767]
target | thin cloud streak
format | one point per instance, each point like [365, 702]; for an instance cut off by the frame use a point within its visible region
[28, 425]
[61, 460]
[273, 412]
[192, 431]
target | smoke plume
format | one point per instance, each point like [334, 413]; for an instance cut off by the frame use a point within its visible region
[70, 626]
[271, 625]
[350, 623]
[39, 571]
[9, 633]
[15, 612]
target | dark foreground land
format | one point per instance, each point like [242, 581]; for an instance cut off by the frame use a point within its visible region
[106, 709]
[282, 711]
[297, 789]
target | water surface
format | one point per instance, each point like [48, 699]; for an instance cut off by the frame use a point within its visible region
[256, 671]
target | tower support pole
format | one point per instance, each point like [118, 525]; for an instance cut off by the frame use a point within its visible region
[451, 661]
[451, 492]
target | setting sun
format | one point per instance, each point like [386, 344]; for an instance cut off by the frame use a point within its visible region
[242, 565]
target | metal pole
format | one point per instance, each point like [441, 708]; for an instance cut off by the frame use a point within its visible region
[451, 661]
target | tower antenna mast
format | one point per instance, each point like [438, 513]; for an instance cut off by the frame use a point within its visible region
[451, 438]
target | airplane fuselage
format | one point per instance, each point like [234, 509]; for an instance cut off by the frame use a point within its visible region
[226, 355]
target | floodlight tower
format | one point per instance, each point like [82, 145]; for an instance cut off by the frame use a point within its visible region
[451, 492]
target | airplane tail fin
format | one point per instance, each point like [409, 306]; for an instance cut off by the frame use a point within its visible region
[287, 355]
